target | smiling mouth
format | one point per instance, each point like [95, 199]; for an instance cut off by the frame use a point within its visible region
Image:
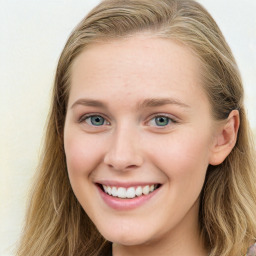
[130, 192]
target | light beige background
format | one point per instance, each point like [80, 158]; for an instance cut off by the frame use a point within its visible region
[32, 35]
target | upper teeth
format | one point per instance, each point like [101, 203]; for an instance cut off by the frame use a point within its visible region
[130, 192]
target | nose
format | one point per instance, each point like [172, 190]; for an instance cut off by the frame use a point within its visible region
[124, 152]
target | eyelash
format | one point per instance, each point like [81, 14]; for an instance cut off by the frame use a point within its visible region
[171, 119]
[84, 117]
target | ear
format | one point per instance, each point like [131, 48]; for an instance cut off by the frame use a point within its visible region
[225, 139]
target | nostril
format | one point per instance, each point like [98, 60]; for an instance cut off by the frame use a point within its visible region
[131, 166]
[122, 167]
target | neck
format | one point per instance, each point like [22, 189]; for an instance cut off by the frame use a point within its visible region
[183, 240]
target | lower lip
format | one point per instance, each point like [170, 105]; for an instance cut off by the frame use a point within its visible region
[125, 204]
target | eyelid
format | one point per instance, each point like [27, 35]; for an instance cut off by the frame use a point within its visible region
[173, 119]
[85, 116]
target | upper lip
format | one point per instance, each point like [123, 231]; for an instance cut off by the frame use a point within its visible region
[126, 184]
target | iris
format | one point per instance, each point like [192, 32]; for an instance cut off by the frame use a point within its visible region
[95, 120]
[162, 120]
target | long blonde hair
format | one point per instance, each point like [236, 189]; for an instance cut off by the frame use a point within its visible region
[57, 225]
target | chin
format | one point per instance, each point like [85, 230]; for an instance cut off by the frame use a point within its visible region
[127, 241]
[131, 238]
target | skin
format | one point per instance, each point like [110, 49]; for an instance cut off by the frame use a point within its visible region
[131, 147]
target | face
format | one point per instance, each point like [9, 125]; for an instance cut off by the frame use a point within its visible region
[139, 126]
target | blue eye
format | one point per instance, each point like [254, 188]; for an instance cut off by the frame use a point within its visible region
[160, 121]
[95, 120]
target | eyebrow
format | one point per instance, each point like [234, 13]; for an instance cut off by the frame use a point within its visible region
[89, 103]
[158, 102]
[147, 103]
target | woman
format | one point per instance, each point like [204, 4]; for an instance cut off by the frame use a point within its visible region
[148, 149]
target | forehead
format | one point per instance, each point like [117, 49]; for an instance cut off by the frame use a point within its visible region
[150, 52]
[136, 65]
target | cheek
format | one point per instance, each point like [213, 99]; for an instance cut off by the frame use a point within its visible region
[82, 154]
[183, 157]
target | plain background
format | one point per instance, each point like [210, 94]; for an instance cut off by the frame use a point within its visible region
[32, 35]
